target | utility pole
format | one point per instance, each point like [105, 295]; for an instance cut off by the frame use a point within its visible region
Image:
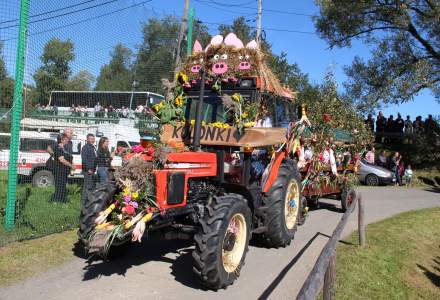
[181, 33]
[260, 8]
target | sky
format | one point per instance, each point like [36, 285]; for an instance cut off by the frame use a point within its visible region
[287, 25]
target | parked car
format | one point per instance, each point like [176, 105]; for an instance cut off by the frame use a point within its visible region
[373, 175]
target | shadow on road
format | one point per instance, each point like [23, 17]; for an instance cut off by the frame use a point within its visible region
[286, 269]
[152, 249]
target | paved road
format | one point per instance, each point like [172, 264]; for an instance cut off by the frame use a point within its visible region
[162, 269]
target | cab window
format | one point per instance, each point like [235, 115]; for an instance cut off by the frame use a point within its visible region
[4, 142]
[35, 145]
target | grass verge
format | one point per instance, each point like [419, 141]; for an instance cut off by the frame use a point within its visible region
[401, 259]
[35, 215]
[22, 260]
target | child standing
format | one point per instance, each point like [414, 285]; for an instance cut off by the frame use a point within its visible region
[408, 176]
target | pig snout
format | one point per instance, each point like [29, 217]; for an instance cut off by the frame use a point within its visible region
[196, 68]
[219, 67]
[244, 65]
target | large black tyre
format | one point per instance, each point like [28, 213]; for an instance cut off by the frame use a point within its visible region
[222, 241]
[347, 197]
[280, 218]
[96, 202]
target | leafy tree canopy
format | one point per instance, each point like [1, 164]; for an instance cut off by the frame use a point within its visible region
[55, 71]
[404, 36]
[82, 81]
[117, 74]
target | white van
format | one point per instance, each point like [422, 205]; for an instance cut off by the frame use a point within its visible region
[33, 154]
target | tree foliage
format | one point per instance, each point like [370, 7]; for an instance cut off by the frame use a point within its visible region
[6, 83]
[82, 81]
[155, 59]
[55, 71]
[404, 36]
[117, 75]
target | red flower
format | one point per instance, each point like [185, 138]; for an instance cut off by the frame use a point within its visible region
[150, 151]
[327, 118]
[129, 210]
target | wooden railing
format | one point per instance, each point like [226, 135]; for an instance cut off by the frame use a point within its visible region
[324, 271]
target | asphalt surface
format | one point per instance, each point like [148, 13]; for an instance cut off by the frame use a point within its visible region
[159, 269]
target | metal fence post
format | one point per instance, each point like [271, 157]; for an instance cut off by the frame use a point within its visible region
[17, 107]
[190, 32]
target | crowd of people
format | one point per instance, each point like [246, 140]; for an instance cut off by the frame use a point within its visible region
[398, 125]
[95, 161]
[394, 163]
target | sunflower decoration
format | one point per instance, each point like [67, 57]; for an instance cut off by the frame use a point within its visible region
[179, 101]
[182, 78]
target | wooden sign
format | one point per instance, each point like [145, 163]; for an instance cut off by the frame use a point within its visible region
[209, 135]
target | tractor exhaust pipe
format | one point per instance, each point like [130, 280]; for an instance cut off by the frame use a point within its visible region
[199, 111]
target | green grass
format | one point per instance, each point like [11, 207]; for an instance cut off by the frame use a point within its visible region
[401, 259]
[35, 215]
[22, 260]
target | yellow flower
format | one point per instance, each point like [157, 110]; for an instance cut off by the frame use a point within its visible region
[157, 107]
[193, 122]
[226, 125]
[181, 77]
[203, 123]
[126, 191]
[236, 97]
[135, 195]
[249, 124]
[244, 115]
[179, 100]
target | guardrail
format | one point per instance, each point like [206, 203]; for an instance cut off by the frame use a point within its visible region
[324, 269]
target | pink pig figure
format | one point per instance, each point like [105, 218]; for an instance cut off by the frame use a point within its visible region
[220, 66]
[198, 55]
[244, 57]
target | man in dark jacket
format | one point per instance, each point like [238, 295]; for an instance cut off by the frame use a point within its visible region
[88, 157]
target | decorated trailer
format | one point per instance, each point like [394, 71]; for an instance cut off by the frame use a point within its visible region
[223, 170]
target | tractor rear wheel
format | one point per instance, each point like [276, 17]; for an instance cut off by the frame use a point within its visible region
[95, 203]
[283, 206]
[222, 241]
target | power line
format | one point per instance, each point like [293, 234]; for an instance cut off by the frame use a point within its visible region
[84, 20]
[229, 5]
[271, 29]
[64, 14]
[51, 11]
[218, 5]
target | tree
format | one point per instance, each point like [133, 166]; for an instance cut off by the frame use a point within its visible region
[3, 72]
[55, 71]
[117, 74]
[155, 59]
[6, 83]
[404, 36]
[82, 81]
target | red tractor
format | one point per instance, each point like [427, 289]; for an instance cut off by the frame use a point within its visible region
[228, 187]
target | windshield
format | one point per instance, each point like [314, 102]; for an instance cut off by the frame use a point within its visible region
[212, 110]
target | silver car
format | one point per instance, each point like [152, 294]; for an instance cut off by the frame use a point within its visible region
[374, 175]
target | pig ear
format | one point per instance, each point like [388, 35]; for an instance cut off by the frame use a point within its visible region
[232, 40]
[216, 40]
[197, 47]
[252, 45]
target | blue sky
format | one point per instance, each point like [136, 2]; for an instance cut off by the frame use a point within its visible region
[94, 39]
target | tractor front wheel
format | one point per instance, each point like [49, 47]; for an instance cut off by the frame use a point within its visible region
[283, 206]
[95, 203]
[222, 241]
